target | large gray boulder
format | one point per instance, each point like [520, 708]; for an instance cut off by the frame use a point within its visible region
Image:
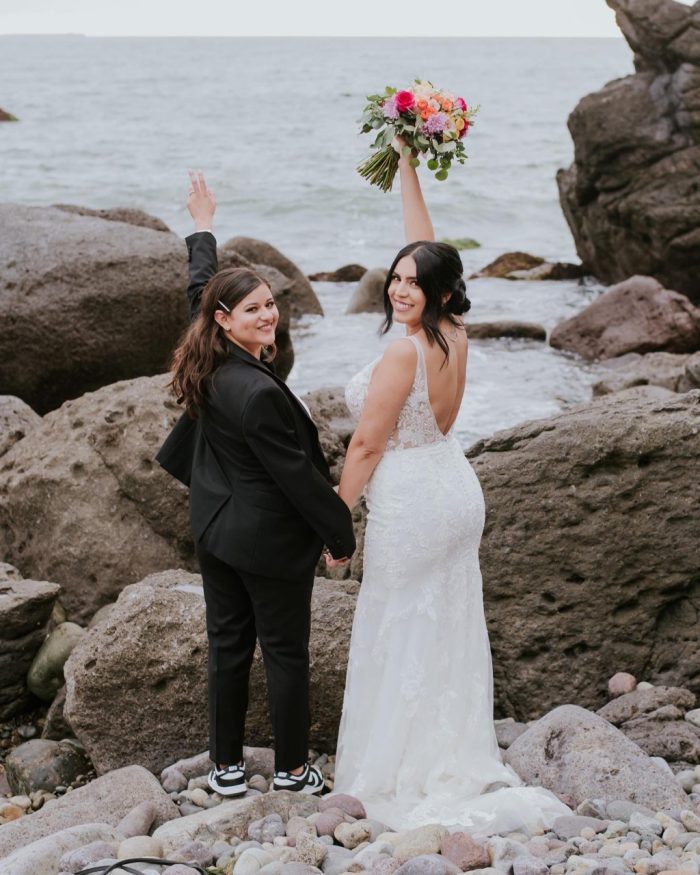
[137, 682]
[84, 302]
[16, 420]
[368, 297]
[303, 299]
[105, 800]
[83, 502]
[589, 553]
[637, 315]
[631, 196]
[575, 753]
[25, 611]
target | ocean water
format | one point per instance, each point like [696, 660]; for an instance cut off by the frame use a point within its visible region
[273, 122]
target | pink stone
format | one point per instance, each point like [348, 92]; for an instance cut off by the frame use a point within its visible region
[621, 683]
[461, 849]
[349, 804]
[328, 821]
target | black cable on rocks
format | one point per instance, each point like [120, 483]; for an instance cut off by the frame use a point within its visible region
[122, 864]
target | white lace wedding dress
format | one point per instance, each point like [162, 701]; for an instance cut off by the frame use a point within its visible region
[417, 743]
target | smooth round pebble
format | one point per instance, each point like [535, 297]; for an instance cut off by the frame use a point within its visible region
[199, 797]
[139, 846]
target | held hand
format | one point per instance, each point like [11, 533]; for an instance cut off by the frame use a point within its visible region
[201, 202]
[399, 144]
[334, 563]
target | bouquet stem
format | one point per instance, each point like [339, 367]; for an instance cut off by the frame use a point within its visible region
[381, 168]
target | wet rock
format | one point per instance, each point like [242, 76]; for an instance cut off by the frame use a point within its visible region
[349, 273]
[507, 263]
[107, 799]
[25, 610]
[486, 330]
[637, 315]
[66, 311]
[630, 196]
[368, 297]
[303, 299]
[573, 751]
[45, 677]
[41, 764]
[16, 420]
[597, 467]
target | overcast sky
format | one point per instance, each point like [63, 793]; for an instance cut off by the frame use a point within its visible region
[309, 17]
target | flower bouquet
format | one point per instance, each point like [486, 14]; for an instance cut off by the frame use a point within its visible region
[430, 121]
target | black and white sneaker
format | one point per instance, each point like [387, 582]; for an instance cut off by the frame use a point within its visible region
[310, 781]
[229, 781]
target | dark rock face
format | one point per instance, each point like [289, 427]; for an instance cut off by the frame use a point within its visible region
[41, 764]
[673, 371]
[637, 315]
[25, 610]
[631, 196]
[368, 297]
[302, 297]
[348, 273]
[84, 302]
[523, 266]
[588, 555]
[506, 328]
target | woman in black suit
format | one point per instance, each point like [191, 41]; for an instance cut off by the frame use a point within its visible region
[261, 507]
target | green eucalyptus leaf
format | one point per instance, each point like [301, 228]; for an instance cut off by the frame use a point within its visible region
[414, 162]
[441, 175]
[432, 164]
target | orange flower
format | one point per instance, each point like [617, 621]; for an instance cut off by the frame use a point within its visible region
[421, 104]
[447, 105]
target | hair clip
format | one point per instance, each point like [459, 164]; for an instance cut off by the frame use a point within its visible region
[223, 306]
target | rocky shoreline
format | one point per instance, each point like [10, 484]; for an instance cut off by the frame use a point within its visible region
[632, 812]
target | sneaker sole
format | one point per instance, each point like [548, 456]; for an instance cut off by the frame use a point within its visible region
[306, 791]
[228, 791]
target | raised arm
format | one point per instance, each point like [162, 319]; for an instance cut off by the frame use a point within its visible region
[416, 217]
[201, 245]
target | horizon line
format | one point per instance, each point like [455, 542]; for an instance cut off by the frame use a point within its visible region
[311, 36]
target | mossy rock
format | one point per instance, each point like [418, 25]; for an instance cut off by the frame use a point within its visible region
[462, 242]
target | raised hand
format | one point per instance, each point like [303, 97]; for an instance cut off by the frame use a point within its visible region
[201, 202]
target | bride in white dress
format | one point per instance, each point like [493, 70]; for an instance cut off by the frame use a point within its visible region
[417, 743]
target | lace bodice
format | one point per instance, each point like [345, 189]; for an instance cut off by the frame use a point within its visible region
[416, 425]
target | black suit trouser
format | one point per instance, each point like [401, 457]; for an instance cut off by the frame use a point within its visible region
[240, 608]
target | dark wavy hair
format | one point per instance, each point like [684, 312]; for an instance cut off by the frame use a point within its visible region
[439, 271]
[203, 347]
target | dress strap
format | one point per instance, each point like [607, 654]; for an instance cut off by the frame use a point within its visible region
[420, 366]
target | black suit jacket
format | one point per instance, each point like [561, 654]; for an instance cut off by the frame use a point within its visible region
[260, 492]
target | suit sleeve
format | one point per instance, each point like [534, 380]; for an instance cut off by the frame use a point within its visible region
[268, 426]
[203, 264]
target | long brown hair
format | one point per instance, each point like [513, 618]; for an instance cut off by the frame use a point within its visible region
[203, 346]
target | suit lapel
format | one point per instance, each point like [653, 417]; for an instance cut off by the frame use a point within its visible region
[249, 359]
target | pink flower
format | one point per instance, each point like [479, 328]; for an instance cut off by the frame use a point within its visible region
[404, 100]
[390, 110]
[461, 104]
[464, 131]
